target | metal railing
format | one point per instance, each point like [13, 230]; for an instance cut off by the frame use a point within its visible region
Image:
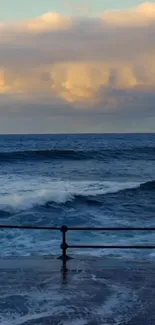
[65, 246]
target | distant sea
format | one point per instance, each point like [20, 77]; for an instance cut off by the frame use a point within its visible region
[77, 180]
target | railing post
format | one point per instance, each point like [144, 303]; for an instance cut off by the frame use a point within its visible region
[64, 246]
[64, 257]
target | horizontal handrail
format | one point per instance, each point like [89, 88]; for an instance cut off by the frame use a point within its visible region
[114, 246]
[64, 245]
[33, 227]
[112, 228]
[29, 227]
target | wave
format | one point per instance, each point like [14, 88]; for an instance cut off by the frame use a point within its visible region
[46, 154]
[100, 154]
[149, 186]
[60, 192]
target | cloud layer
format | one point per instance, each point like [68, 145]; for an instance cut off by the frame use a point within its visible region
[97, 64]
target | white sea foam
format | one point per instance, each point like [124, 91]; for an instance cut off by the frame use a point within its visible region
[25, 195]
[118, 305]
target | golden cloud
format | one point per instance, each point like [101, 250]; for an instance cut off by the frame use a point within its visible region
[81, 81]
[143, 14]
[48, 21]
[78, 60]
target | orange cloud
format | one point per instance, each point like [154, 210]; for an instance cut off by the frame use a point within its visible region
[48, 21]
[143, 15]
[78, 60]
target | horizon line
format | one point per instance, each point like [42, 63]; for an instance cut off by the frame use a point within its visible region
[78, 133]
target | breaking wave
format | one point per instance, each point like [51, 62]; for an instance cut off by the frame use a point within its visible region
[63, 192]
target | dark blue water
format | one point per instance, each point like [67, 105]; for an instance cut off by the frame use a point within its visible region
[77, 180]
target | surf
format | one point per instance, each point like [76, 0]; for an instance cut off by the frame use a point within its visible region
[59, 192]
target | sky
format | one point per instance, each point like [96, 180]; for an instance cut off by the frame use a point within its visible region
[24, 9]
[77, 66]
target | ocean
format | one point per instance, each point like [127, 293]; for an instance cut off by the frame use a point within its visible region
[105, 180]
[77, 180]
